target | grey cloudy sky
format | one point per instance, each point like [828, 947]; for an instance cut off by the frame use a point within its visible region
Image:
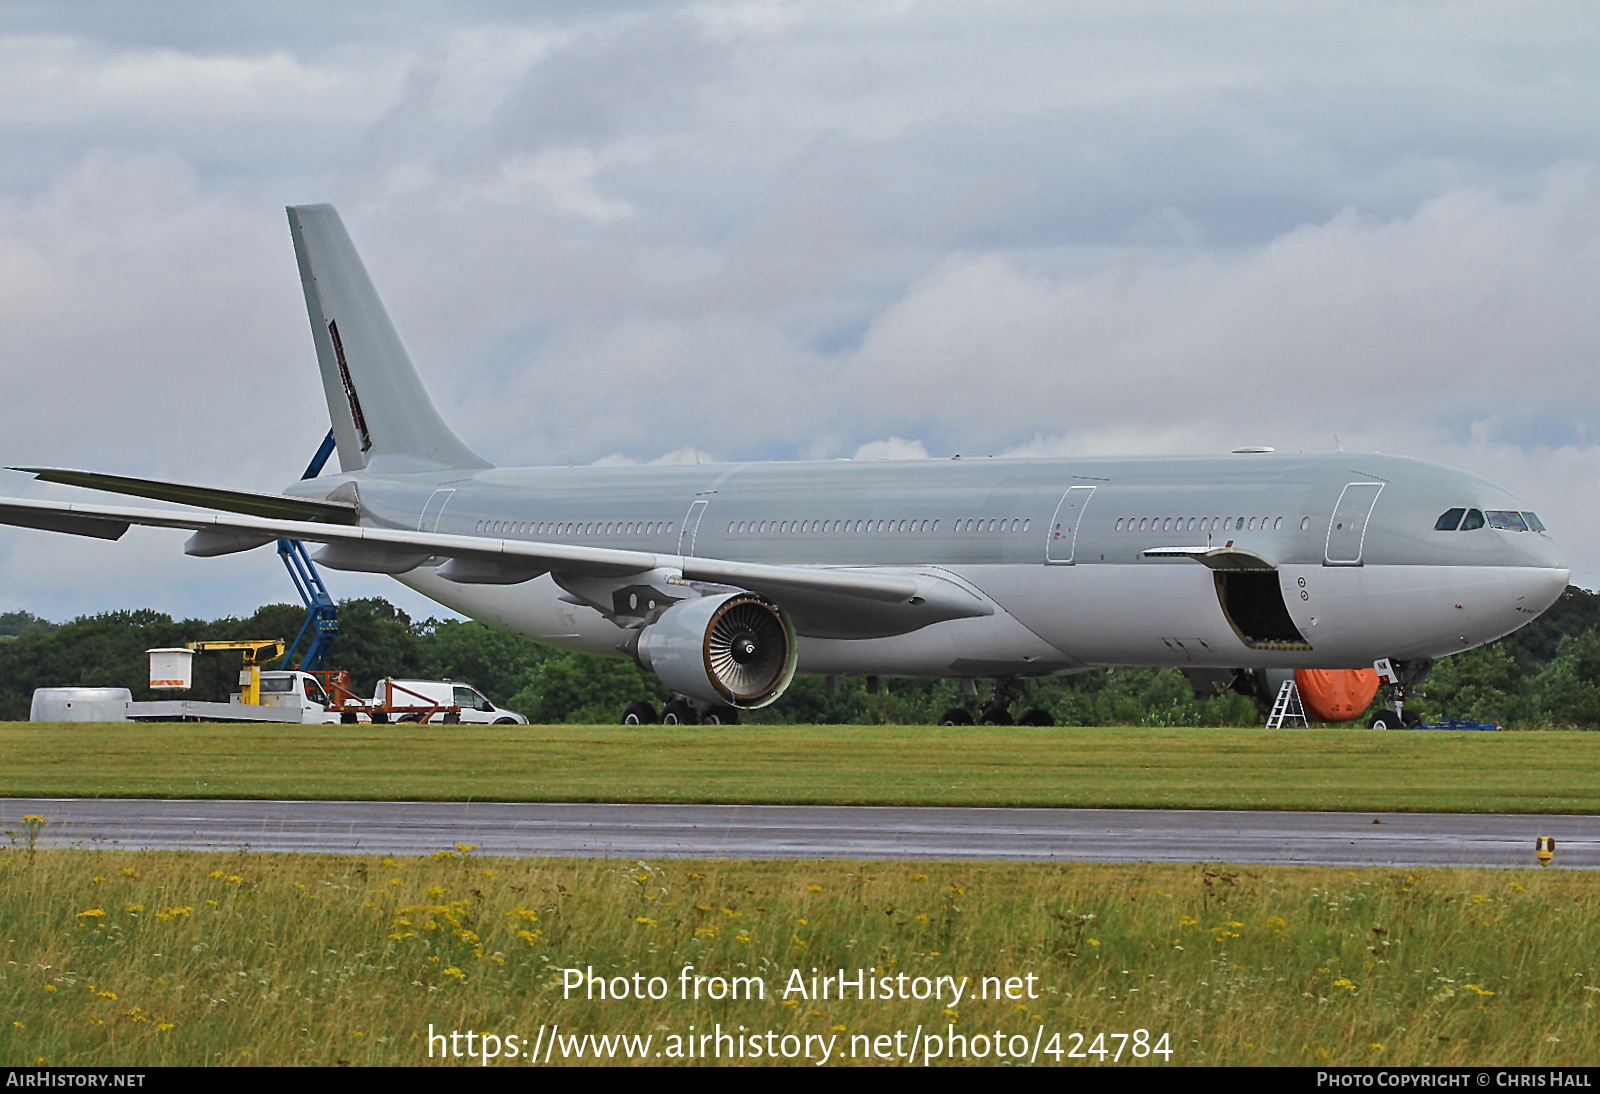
[772, 230]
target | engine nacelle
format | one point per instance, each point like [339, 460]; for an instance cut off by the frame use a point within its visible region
[733, 648]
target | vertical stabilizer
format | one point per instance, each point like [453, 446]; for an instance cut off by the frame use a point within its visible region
[382, 417]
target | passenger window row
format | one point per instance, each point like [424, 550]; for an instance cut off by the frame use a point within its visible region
[1466, 520]
[806, 527]
[1203, 524]
[991, 525]
[810, 527]
[576, 528]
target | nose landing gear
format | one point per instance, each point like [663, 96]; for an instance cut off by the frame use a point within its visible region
[1399, 678]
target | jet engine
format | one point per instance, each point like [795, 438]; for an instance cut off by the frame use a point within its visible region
[733, 648]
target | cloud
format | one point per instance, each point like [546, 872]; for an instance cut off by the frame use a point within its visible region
[770, 230]
[894, 448]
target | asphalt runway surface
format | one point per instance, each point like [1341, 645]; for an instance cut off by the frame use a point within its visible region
[810, 831]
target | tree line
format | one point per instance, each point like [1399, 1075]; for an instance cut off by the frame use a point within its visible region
[1547, 673]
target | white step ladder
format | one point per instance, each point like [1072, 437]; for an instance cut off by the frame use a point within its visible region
[1287, 709]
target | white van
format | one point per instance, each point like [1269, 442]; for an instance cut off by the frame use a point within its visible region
[298, 691]
[421, 694]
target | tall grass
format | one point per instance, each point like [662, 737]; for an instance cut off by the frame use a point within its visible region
[168, 958]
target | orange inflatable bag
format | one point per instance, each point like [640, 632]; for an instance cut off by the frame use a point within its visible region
[1335, 695]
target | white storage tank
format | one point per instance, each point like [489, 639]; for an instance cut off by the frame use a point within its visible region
[80, 705]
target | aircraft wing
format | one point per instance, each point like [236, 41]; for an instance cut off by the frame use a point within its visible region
[824, 601]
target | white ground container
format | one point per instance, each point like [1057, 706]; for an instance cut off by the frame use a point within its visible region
[171, 668]
[80, 705]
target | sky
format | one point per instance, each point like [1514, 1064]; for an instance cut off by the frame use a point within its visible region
[795, 230]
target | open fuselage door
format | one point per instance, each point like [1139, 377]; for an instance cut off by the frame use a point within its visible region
[1249, 588]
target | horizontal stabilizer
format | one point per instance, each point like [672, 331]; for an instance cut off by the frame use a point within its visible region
[204, 497]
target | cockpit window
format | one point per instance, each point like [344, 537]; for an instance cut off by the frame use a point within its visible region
[1534, 523]
[1473, 519]
[1506, 519]
[1450, 521]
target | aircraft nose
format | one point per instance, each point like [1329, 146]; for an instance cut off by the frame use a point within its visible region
[1537, 587]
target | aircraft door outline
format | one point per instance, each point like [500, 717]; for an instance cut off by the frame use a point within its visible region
[1347, 527]
[1062, 534]
[691, 528]
[435, 507]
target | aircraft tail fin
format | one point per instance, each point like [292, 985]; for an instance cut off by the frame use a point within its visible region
[382, 417]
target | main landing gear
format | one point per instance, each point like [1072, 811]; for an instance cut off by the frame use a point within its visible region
[1008, 693]
[679, 711]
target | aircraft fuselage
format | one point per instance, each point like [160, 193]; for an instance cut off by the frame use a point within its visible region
[1349, 564]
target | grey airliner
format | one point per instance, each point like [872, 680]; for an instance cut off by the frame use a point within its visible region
[726, 581]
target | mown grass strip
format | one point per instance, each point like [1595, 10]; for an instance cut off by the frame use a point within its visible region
[1337, 769]
[120, 959]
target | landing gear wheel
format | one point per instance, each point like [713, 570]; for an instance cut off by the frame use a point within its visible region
[1034, 716]
[1386, 719]
[638, 714]
[955, 716]
[1412, 720]
[720, 716]
[677, 712]
[995, 714]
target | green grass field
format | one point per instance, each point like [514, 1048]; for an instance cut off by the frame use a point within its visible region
[1339, 769]
[122, 958]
